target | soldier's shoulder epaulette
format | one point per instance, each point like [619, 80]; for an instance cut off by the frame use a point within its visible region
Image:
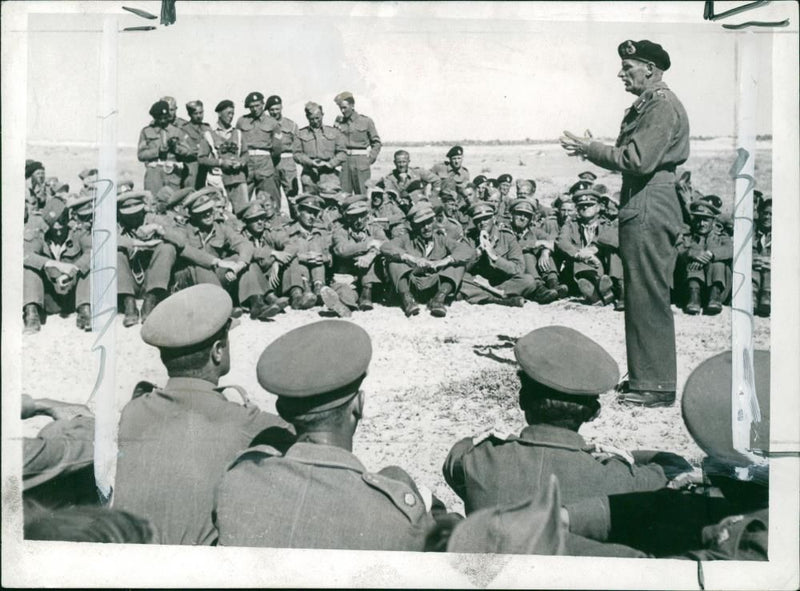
[400, 493]
[495, 434]
[255, 454]
[142, 388]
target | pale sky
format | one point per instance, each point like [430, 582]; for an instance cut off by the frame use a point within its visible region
[421, 74]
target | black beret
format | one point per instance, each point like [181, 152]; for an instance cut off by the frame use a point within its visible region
[222, 105]
[455, 151]
[645, 51]
[274, 100]
[579, 186]
[253, 97]
[715, 200]
[549, 356]
[479, 180]
[504, 178]
[415, 185]
[706, 406]
[159, 109]
[32, 166]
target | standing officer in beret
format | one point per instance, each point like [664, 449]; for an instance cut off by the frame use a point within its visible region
[496, 273]
[704, 261]
[175, 441]
[557, 396]
[220, 153]
[762, 259]
[317, 494]
[403, 174]
[262, 142]
[653, 141]
[728, 520]
[162, 146]
[425, 263]
[452, 169]
[319, 149]
[56, 265]
[590, 249]
[362, 142]
[195, 130]
[286, 167]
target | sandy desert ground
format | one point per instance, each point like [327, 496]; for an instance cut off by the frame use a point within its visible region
[427, 387]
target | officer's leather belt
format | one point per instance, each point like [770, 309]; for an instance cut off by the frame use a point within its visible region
[358, 151]
[168, 166]
[659, 177]
[287, 155]
[255, 152]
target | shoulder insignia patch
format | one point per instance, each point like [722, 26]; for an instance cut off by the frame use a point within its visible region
[399, 493]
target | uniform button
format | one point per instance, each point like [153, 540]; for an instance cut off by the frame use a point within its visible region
[410, 499]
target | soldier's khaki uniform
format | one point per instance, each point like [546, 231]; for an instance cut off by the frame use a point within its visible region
[164, 166]
[459, 177]
[286, 168]
[347, 245]
[394, 182]
[363, 145]
[717, 272]
[299, 241]
[762, 264]
[325, 143]
[141, 269]
[653, 141]
[262, 144]
[225, 143]
[452, 228]
[317, 496]
[601, 234]
[195, 134]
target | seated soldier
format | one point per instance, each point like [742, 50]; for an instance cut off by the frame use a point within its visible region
[56, 265]
[81, 212]
[425, 263]
[496, 272]
[144, 260]
[356, 246]
[720, 514]
[305, 275]
[274, 219]
[403, 174]
[269, 256]
[610, 204]
[762, 253]
[537, 246]
[331, 193]
[87, 524]
[703, 261]
[447, 216]
[590, 249]
[557, 396]
[464, 201]
[316, 493]
[383, 208]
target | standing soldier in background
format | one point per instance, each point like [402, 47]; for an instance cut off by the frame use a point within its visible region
[173, 112]
[362, 142]
[287, 169]
[762, 253]
[262, 141]
[319, 149]
[195, 131]
[220, 153]
[653, 141]
[452, 169]
[161, 146]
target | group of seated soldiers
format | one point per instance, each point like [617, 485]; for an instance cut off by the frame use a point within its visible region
[414, 237]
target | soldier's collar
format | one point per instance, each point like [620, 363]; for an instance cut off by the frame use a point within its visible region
[318, 454]
[552, 434]
[197, 385]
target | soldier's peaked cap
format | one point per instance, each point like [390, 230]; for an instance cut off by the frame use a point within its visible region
[253, 211]
[130, 202]
[522, 205]
[645, 51]
[567, 361]
[582, 196]
[309, 366]
[706, 406]
[309, 201]
[481, 210]
[703, 208]
[420, 212]
[188, 318]
[201, 200]
[587, 175]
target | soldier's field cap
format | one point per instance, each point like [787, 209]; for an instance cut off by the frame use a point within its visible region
[343, 96]
[548, 356]
[274, 100]
[447, 195]
[81, 206]
[532, 526]
[309, 201]
[253, 211]
[479, 180]
[522, 206]
[132, 202]
[703, 208]
[187, 318]
[586, 196]
[222, 105]
[192, 106]
[159, 109]
[481, 210]
[202, 200]
[313, 367]
[455, 151]
[645, 51]
[706, 406]
[587, 175]
[329, 187]
[504, 178]
[420, 212]
[253, 97]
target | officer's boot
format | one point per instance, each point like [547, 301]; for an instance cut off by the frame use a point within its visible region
[511, 301]
[83, 318]
[694, 306]
[365, 299]
[544, 294]
[260, 309]
[272, 300]
[151, 300]
[409, 304]
[317, 291]
[588, 290]
[33, 322]
[334, 303]
[130, 310]
[552, 283]
[436, 305]
[714, 305]
[619, 305]
[605, 289]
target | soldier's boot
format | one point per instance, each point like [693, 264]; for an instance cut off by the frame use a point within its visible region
[714, 305]
[33, 322]
[83, 318]
[409, 304]
[261, 310]
[317, 290]
[512, 301]
[619, 304]
[588, 290]
[560, 289]
[302, 300]
[764, 306]
[333, 303]
[365, 299]
[605, 290]
[151, 300]
[130, 310]
[272, 300]
[693, 306]
[544, 295]
[436, 305]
